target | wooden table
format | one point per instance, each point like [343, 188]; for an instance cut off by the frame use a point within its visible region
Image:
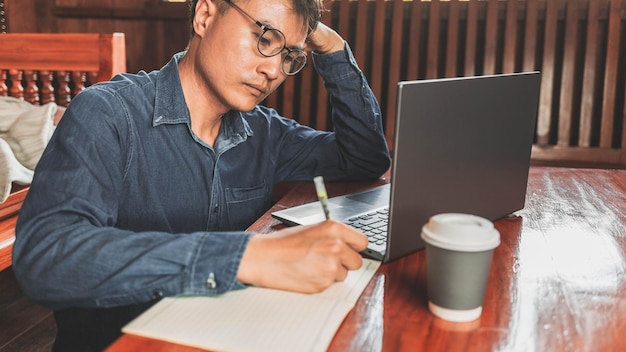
[8, 218]
[557, 281]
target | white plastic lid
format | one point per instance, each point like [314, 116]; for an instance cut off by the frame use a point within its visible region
[455, 315]
[461, 232]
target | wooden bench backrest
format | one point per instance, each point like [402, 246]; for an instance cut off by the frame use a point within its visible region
[44, 67]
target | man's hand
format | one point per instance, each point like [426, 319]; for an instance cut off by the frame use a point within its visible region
[303, 258]
[324, 40]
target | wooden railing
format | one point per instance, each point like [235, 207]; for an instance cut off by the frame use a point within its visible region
[53, 67]
[578, 45]
[4, 25]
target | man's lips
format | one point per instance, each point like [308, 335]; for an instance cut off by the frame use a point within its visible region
[257, 90]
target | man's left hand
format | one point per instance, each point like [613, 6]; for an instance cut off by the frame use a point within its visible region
[324, 40]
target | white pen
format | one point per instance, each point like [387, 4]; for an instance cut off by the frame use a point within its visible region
[321, 195]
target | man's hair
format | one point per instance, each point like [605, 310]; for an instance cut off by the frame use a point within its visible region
[310, 10]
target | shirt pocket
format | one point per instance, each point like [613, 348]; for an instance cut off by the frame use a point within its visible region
[246, 204]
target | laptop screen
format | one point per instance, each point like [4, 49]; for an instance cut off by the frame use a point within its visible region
[460, 145]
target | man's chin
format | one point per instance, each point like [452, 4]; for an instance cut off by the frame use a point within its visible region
[247, 108]
[250, 106]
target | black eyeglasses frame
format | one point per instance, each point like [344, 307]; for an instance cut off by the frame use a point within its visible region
[293, 54]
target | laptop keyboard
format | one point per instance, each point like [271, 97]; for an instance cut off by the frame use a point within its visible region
[373, 224]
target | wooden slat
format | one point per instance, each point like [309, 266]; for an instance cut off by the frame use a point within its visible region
[471, 38]
[491, 37]
[112, 55]
[272, 100]
[589, 74]
[610, 72]
[288, 104]
[343, 9]
[322, 106]
[414, 40]
[13, 203]
[378, 49]
[530, 36]
[322, 96]
[567, 75]
[453, 39]
[7, 237]
[4, 21]
[547, 73]
[395, 59]
[432, 61]
[510, 37]
[623, 117]
[361, 34]
[585, 156]
[306, 95]
[623, 150]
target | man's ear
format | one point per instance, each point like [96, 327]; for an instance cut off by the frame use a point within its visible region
[205, 11]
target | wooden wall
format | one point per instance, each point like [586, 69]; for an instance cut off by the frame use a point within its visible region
[578, 45]
[154, 29]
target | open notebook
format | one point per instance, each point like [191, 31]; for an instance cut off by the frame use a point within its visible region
[255, 319]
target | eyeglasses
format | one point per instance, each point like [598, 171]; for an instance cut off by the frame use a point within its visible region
[272, 42]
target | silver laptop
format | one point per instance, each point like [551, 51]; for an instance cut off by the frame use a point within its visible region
[460, 145]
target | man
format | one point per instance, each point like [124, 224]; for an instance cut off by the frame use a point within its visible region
[148, 184]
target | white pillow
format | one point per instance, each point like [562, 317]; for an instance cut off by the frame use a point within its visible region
[10, 110]
[11, 171]
[31, 132]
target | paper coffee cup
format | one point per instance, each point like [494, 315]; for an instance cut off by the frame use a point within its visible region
[459, 248]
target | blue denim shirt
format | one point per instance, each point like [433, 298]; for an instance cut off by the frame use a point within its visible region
[128, 204]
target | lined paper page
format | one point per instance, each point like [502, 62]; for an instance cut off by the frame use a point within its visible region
[255, 319]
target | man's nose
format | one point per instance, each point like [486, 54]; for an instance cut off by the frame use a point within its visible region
[271, 66]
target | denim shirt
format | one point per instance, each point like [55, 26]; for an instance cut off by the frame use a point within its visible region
[128, 204]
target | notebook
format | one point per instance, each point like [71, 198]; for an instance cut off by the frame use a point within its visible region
[460, 145]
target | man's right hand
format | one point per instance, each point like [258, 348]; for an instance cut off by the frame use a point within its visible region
[304, 259]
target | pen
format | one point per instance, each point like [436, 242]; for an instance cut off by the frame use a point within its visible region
[321, 195]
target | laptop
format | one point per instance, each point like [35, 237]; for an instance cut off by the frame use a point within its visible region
[460, 145]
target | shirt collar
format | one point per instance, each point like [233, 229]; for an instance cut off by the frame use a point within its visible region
[170, 106]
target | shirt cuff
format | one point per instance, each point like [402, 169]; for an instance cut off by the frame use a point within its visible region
[214, 267]
[338, 65]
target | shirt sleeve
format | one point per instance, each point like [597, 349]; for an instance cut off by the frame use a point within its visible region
[356, 149]
[68, 251]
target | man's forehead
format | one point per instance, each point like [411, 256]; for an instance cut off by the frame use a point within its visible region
[278, 14]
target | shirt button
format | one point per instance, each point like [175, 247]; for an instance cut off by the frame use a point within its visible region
[157, 294]
[210, 282]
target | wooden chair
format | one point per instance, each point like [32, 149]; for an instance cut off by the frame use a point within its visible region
[45, 67]
[53, 67]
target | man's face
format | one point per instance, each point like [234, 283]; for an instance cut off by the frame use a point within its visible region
[232, 68]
